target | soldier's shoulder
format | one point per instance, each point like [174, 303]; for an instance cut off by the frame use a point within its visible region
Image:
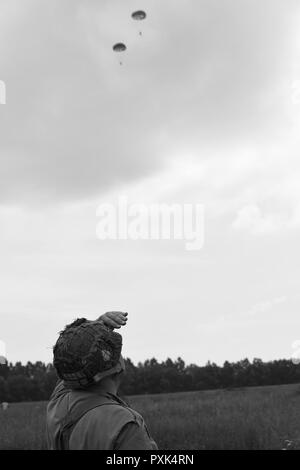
[114, 412]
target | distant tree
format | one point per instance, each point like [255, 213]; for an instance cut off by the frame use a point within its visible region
[36, 381]
[22, 388]
[3, 390]
[4, 370]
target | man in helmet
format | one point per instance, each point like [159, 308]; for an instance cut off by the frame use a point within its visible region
[85, 411]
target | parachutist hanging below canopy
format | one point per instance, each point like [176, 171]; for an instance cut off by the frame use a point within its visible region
[139, 15]
[119, 47]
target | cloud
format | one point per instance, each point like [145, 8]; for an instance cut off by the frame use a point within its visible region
[205, 75]
[255, 314]
[265, 306]
[252, 219]
[204, 110]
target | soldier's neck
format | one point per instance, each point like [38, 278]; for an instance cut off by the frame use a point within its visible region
[105, 386]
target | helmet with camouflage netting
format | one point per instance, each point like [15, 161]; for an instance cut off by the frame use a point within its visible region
[85, 352]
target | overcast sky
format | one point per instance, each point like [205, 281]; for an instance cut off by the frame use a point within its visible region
[206, 110]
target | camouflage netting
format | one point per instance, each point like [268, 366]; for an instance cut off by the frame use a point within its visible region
[84, 349]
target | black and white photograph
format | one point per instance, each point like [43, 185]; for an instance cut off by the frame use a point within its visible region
[149, 227]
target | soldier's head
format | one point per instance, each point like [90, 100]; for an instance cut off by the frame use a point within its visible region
[88, 352]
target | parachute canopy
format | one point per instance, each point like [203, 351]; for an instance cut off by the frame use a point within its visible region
[3, 361]
[138, 15]
[119, 47]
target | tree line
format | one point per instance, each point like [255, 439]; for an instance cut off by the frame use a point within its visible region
[36, 381]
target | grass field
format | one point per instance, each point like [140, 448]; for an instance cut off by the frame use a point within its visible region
[250, 418]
